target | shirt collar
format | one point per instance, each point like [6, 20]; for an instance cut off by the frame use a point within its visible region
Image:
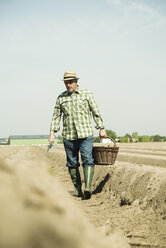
[76, 91]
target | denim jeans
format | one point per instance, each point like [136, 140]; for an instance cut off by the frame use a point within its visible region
[72, 148]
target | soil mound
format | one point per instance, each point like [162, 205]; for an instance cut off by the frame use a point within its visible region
[127, 196]
[36, 210]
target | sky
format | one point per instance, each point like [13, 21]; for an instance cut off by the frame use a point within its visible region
[116, 47]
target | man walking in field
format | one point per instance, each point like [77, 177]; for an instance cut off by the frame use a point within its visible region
[76, 106]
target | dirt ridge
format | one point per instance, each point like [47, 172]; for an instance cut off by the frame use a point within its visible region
[128, 203]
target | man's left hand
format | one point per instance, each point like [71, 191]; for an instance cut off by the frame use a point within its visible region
[102, 133]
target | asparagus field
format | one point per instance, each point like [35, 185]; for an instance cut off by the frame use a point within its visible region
[127, 207]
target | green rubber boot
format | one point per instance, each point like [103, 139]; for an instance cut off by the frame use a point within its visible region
[88, 175]
[76, 179]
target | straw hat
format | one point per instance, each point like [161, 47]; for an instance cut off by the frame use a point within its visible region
[69, 75]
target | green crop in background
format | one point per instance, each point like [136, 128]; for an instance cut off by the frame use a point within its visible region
[29, 141]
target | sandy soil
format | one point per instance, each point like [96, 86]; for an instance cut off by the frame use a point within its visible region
[127, 208]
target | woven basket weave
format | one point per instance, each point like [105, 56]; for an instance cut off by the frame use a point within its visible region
[105, 155]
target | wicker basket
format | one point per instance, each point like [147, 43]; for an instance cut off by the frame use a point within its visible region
[105, 155]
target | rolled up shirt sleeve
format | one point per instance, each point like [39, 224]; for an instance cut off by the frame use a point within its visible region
[95, 112]
[55, 123]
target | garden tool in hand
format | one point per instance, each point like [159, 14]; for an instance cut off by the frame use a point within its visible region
[51, 147]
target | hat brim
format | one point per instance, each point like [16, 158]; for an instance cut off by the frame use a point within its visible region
[67, 79]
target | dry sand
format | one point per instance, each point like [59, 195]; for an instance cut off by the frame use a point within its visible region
[127, 208]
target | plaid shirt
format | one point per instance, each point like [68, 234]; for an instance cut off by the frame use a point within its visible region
[76, 109]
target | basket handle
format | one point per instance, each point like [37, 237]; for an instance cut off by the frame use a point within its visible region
[105, 137]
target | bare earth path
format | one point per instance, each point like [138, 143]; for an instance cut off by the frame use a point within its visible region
[127, 208]
[128, 197]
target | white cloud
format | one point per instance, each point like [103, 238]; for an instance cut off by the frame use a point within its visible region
[137, 8]
[147, 11]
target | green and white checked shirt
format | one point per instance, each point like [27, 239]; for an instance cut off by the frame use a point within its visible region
[76, 109]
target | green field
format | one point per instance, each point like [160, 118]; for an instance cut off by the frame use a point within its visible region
[28, 141]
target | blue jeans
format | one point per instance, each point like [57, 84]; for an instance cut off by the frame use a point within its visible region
[72, 148]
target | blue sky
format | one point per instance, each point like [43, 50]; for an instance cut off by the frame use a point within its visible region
[117, 48]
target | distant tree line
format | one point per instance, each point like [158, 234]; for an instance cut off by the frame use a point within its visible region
[134, 137]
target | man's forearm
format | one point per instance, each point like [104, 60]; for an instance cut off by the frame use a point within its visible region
[51, 138]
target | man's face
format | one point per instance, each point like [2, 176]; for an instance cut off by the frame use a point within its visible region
[71, 85]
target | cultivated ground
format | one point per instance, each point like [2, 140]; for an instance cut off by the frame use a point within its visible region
[127, 208]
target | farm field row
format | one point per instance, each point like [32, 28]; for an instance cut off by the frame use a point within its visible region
[143, 153]
[131, 194]
[127, 208]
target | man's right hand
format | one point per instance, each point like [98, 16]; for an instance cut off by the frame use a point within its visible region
[51, 138]
[102, 133]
